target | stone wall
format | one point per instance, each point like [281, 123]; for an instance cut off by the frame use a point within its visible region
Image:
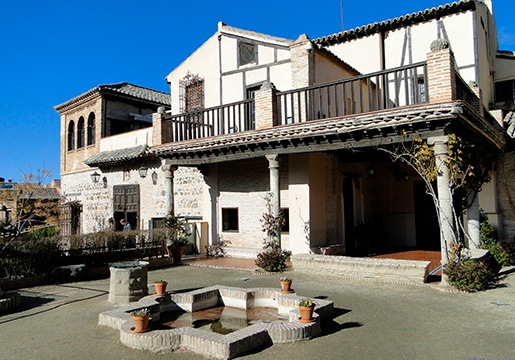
[97, 200]
[506, 195]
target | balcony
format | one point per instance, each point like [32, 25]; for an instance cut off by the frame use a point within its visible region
[403, 86]
[371, 110]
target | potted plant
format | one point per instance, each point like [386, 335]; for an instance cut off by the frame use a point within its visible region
[160, 287]
[306, 308]
[178, 235]
[286, 285]
[141, 318]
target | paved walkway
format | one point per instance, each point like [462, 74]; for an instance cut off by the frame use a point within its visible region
[372, 320]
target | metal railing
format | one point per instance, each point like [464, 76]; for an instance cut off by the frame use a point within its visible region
[402, 86]
[219, 120]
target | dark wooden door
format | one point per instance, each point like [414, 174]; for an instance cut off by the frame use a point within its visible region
[126, 205]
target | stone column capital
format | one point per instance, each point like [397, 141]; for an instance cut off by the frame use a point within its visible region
[273, 161]
[167, 167]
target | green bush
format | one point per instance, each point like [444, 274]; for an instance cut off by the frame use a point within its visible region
[503, 252]
[273, 259]
[25, 258]
[42, 233]
[470, 275]
[32, 256]
[486, 232]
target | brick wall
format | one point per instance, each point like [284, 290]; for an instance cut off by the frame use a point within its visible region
[302, 62]
[73, 160]
[266, 107]
[244, 185]
[440, 76]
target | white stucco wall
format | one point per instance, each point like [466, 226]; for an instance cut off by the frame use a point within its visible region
[504, 68]
[216, 61]
[203, 62]
[127, 140]
[364, 53]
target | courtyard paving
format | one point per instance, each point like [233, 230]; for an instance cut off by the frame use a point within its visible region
[372, 320]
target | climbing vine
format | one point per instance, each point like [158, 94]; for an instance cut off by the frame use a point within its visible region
[469, 161]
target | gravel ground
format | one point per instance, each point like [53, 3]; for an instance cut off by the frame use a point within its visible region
[372, 320]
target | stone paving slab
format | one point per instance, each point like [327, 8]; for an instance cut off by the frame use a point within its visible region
[371, 320]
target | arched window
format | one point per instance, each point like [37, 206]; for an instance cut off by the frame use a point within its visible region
[71, 135]
[80, 133]
[91, 129]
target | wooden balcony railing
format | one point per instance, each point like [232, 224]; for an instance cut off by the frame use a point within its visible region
[402, 86]
[219, 120]
[465, 93]
[381, 90]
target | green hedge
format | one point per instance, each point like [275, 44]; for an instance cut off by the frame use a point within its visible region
[33, 256]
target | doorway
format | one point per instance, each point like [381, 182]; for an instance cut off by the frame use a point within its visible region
[126, 205]
[348, 216]
[427, 229]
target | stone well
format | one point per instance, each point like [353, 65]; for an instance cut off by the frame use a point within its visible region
[128, 281]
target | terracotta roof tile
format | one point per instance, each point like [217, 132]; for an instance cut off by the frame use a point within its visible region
[369, 121]
[113, 157]
[123, 89]
[398, 22]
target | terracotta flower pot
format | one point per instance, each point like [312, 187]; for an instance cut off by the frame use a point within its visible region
[140, 323]
[286, 287]
[177, 254]
[160, 288]
[306, 314]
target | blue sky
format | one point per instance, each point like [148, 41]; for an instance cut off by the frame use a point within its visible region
[51, 51]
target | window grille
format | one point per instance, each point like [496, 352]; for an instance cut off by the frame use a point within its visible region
[191, 94]
[247, 53]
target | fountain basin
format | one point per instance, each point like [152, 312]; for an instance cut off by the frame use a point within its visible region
[287, 329]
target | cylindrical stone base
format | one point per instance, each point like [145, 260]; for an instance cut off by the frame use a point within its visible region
[128, 281]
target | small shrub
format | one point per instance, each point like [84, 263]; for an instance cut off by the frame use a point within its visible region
[503, 252]
[178, 231]
[218, 250]
[486, 232]
[273, 259]
[43, 232]
[470, 275]
[306, 303]
[140, 312]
